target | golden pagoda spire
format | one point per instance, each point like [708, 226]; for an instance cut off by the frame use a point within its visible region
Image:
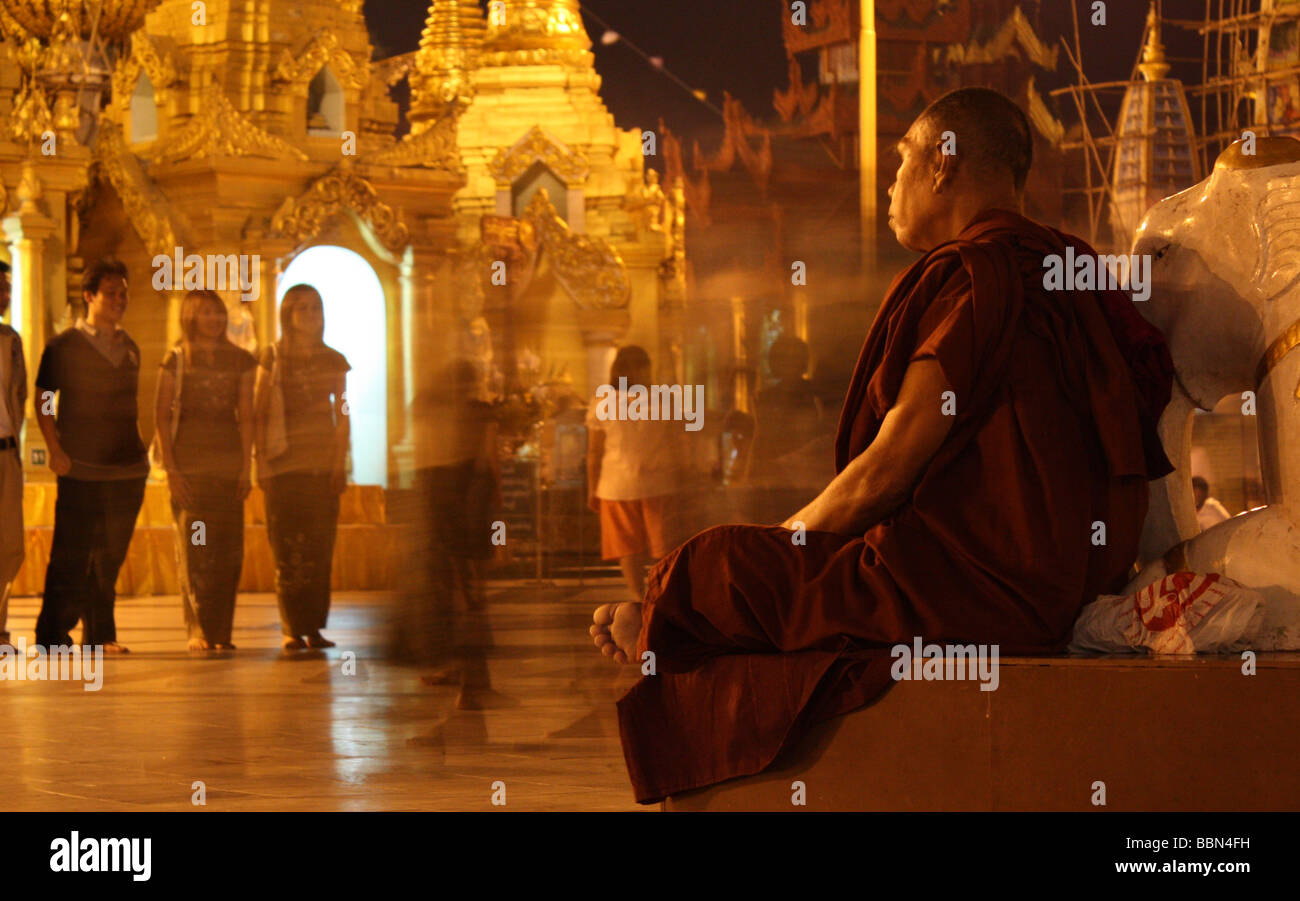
[1153, 66]
[449, 48]
[536, 32]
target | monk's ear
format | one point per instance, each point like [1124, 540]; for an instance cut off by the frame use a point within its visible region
[945, 167]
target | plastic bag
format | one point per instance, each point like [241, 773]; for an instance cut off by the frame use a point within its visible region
[1183, 613]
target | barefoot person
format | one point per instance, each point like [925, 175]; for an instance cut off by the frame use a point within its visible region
[633, 469]
[204, 412]
[13, 384]
[95, 449]
[302, 444]
[992, 431]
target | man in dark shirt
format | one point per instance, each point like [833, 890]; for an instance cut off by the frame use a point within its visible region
[95, 450]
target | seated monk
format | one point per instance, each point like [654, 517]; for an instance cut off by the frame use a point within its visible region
[993, 456]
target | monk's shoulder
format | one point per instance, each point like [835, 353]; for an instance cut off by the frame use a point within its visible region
[944, 282]
[944, 270]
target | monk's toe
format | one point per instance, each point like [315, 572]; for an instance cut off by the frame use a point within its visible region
[604, 614]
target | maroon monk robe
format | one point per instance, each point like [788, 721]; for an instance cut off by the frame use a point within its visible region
[757, 638]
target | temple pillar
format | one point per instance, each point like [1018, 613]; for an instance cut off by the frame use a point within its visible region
[429, 332]
[602, 332]
[29, 231]
[279, 253]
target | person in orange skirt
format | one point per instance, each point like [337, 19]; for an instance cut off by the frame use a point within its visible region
[634, 467]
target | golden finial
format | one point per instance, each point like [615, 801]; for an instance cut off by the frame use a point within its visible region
[449, 49]
[1153, 66]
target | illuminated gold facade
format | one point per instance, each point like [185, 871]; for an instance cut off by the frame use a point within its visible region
[266, 129]
[611, 267]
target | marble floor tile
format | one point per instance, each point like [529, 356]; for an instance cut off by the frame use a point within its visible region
[341, 729]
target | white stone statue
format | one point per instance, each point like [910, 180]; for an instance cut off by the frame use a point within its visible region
[1225, 291]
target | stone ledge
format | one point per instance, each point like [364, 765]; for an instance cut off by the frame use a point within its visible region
[1163, 734]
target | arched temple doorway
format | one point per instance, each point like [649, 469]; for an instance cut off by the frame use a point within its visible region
[355, 326]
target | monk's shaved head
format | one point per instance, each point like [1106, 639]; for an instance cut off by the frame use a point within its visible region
[969, 151]
[992, 132]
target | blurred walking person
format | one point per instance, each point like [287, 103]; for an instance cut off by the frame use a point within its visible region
[204, 412]
[95, 450]
[302, 434]
[458, 489]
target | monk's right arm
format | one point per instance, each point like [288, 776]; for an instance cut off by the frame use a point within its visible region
[880, 479]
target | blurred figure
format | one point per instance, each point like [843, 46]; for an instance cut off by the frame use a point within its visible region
[241, 330]
[95, 450]
[1209, 511]
[789, 417]
[302, 433]
[204, 412]
[789, 413]
[13, 384]
[633, 468]
[458, 490]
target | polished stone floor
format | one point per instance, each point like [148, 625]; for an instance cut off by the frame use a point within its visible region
[266, 731]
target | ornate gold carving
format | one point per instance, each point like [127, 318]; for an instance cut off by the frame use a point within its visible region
[143, 57]
[537, 32]
[146, 206]
[646, 202]
[433, 148]
[449, 49]
[392, 70]
[30, 191]
[672, 271]
[302, 218]
[1015, 30]
[117, 18]
[589, 269]
[570, 166]
[219, 129]
[831, 23]
[31, 116]
[470, 273]
[298, 69]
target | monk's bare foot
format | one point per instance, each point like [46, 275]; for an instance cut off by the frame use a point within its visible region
[616, 628]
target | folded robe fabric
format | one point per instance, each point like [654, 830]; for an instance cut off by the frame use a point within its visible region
[1031, 507]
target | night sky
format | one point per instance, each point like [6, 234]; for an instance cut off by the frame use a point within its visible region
[735, 45]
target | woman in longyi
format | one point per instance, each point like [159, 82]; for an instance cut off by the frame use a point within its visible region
[204, 411]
